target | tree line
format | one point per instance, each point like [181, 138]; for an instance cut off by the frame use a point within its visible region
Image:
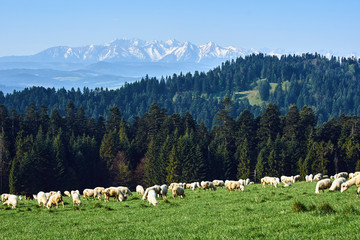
[329, 85]
[42, 151]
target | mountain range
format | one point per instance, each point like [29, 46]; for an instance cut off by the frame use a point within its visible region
[112, 64]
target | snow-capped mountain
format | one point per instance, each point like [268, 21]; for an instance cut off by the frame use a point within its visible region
[135, 50]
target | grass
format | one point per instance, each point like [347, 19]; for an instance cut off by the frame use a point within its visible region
[256, 213]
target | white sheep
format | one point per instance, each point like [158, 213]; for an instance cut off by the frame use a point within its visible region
[218, 183]
[195, 185]
[336, 185]
[4, 196]
[247, 181]
[91, 193]
[236, 185]
[125, 190]
[309, 178]
[322, 185]
[355, 180]
[67, 193]
[41, 198]
[317, 177]
[341, 174]
[151, 197]
[99, 189]
[352, 175]
[270, 180]
[296, 178]
[164, 190]
[156, 188]
[140, 190]
[115, 193]
[12, 200]
[178, 191]
[54, 200]
[76, 198]
[208, 185]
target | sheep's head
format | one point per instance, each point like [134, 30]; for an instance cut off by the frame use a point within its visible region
[344, 187]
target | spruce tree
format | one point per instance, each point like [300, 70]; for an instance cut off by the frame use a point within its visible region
[173, 169]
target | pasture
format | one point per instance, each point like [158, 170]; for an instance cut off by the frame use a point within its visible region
[257, 213]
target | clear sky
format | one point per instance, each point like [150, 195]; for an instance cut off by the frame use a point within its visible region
[27, 27]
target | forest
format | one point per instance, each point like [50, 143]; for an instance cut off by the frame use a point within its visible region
[41, 151]
[330, 86]
[250, 117]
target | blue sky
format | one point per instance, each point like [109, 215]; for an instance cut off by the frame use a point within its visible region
[27, 27]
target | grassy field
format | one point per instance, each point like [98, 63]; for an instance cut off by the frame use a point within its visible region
[257, 213]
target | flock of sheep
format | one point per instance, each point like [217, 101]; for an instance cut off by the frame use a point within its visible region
[151, 194]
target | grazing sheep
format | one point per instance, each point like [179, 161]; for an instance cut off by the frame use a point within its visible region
[99, 189]
[270, 180]
[287, 179]
[336, 185]
[218, 183]
[322, 185]
[47, 195]
[297, 178]
[125, 190]
[41, 198]
[91, 193]
[188, 186]
[242, 182]
[317, 177]
[76, 199]
[195, 185]
[178, 191]
[352, 175]
[151, 197]
[67, 193]
[75, 191]
[208, 185]
[164, 190]
[355, 180]
[4, 197]
[247, 181]
[172, 185]
[236, 185]
[309, 178]
[341, 175]
[54, 200]
[115, 193]
[12, 200]
[156, 188]
[140, 190]
[35, 197]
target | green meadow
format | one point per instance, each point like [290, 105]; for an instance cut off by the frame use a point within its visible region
[257, 213]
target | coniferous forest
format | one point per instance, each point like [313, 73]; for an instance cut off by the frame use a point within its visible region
[190, 127]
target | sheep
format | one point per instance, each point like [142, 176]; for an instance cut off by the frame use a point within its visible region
[355, 180]
[75, 191]
[287, 179]
[151, 197]
[99, 189]
[341, 174]
[237, 186]
[35, 197]
[207, 185]
[164, 190]
[352, 175]
[125, 190]
[12, 200]
[336, 185]
[247, 181]
[269, 180]
[296, 178]
[76, 198]
[67, 193]
[178, 191]
[91, 193]
[218, 183]
[140, 190]
[156, 188]
[188, 186]
[4, 196]
[322, 185]
[172, 185]
[41, 198]
[115, 193]
[242, 182]
[309, 178]
[317, 177]
[195, 185]
[54, 200]
[47, 195]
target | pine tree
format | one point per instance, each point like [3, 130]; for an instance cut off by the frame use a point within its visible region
[173, 169]
[243, 157]
[150, 168]
[260, 165]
